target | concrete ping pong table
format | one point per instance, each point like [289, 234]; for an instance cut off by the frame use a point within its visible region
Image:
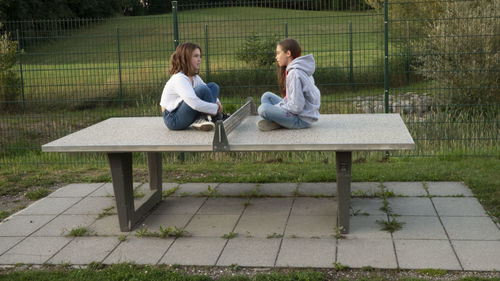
[120, 137]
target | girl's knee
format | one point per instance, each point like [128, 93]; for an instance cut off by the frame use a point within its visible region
[214, 87]
[264, 110]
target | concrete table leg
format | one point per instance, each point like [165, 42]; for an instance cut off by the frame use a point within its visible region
[344, 163]
[121, 174]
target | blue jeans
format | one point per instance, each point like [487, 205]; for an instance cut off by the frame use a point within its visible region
[183, 116]
[269, 111]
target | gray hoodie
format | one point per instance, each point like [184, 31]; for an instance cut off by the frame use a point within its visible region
[302, 96]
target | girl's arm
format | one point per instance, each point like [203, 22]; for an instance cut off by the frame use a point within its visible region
[183, 87]
[295, 96]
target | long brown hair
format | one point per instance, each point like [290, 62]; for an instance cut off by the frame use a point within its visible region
[180, 60]
[286, 45]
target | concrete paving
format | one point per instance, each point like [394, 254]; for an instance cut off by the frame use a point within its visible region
[270, 225]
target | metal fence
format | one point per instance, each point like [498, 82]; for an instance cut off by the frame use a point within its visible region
[75, 72]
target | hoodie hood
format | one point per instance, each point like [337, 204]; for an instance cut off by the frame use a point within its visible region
[305, 63]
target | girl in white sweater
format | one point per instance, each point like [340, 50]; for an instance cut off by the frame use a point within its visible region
[186, 100]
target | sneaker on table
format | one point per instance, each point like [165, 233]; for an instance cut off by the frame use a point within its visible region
[265, 125]
[203, 124]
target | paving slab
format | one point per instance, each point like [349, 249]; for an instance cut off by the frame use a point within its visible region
[108, 226]
[84, 250]
[278, 189]
[18, 225]
[411, 206]
[458, 206]
[366, 227]
[261, 225]
[153, 222]
[307, 252]
[106, 190]
[179, 206]
[250, 252]
[370, 206]
[473, 228]
[478, 255]
[311, 226]
[63, 224]
[365, 188]
[76, 190]
[419, 227]
[91, 206]
[415, 254]
[194, 251]
[145, 250]
[222, 206]
[34, 250]
[8, 242]
[317, 189]
[307, 206]
[236, 189]
[357, 253]
[275, 206]
[212, 225]
[50, 206]
[444, 188]
[194, 189]
[406, 188]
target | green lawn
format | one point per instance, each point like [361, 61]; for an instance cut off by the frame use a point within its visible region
[85, 63]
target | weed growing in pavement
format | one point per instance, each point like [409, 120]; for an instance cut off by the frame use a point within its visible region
[274, 235]
[391, 225]
[105, 212]
[122, 238]
[168, 192]
[165, 232]
[78, 232]
[211, 192]
[339, 267]
[230, 235]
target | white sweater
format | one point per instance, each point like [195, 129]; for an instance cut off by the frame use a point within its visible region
[179, 88]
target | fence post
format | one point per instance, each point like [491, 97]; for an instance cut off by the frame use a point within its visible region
[176, 26]
[207, 62]
[119, 65]
[351, 58]
[286, 29]
[386, 56]
[386, 60]
[408, 52]
[19, 51]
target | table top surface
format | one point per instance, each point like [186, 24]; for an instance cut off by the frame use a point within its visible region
[334, 132]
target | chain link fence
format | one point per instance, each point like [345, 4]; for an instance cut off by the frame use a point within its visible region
[434, 62]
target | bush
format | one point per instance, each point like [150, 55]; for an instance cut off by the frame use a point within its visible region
[9, 81]
[462, 53]
[259, 51]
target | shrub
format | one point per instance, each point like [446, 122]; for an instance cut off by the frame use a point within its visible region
[258, 50]
[9, 81]
[461, 53]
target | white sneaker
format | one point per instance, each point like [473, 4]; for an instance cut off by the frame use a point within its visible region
[203, 125]
[265, 125]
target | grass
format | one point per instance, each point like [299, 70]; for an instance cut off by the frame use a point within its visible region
[37, 194]
[83, 64]
[125, 271]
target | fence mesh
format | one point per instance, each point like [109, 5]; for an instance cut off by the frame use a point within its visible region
[441, 74]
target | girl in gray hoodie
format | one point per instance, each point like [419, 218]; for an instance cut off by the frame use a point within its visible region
[300, 106]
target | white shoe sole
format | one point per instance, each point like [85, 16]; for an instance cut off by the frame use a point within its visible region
[204, 127]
